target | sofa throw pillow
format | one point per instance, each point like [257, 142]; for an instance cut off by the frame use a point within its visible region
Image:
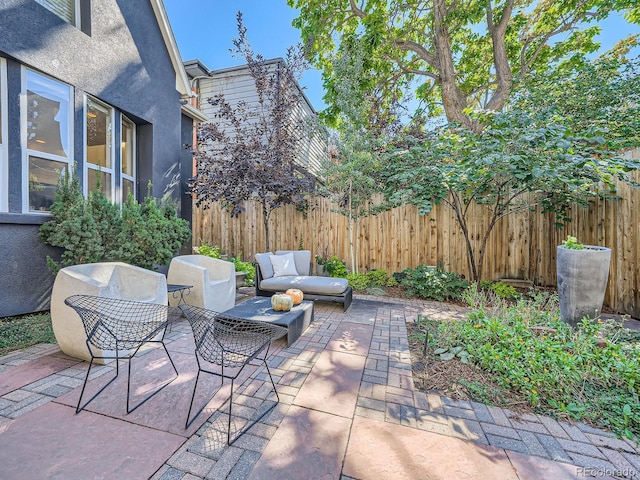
[283, 265]
[264, 262]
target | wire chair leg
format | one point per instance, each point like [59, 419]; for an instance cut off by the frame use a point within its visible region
[148, 397]
[193, 396]
[170, 359]
[86, 379]
[229, 420]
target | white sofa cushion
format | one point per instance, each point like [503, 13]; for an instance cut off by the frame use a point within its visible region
[316, 285]
[283, 265]
[266, 269]
[302, 259]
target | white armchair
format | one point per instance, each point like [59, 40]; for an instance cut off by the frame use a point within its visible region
[213, 280]
[106, 279]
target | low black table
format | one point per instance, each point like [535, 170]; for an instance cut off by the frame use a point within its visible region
[259, 308]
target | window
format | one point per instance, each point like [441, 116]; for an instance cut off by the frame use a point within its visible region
[4, 164]
[128, 158]
[47, 134]
[68, 10]
[99, 147]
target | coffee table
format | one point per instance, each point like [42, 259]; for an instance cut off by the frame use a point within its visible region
[259, 308]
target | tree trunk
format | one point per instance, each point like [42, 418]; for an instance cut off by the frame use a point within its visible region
[351, 220]
[265, 219]
[504, 76]
[453, 100]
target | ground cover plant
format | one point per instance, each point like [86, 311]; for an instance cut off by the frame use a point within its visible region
[24, 331]
[520, 355]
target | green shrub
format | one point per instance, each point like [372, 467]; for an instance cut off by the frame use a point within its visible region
[400, 276]
[240, 266]
[335, 267]
[572, 243]
[503, 290]
[95, 230]
[434, 283]
[358, 281]
[391, 282]
[246, 267]
[209, 251]
[377, 278]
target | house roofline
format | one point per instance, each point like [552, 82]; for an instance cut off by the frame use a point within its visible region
[212, 73]
[182, 81]
[193, 113]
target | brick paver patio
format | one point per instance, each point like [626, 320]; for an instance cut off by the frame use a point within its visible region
[347, 410]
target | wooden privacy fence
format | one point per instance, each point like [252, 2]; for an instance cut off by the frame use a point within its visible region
[522, 246]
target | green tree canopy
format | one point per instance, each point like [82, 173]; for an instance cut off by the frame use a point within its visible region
[453, 55]
[557, 144]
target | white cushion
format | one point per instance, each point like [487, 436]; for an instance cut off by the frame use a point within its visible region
[283, 265]
[266, 269]
[310, 285]
[302, 259]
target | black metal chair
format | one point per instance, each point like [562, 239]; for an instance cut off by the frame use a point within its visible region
[230, 343]
[122, 327]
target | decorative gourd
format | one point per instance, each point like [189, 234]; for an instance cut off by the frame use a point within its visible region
[295, 294]
[281, 302]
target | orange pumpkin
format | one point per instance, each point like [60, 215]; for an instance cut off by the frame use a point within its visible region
[281, 302]
[295, 294]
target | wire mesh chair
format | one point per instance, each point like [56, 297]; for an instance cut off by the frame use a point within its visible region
[117, 329]
[230, 343]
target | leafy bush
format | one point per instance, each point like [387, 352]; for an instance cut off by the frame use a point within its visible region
[377, 278]
[572, 243]
[335, 267]
[209, 251]
[247, 268]
[503, 290]
[391, 282]
[589, 373]
[95, 230]
[434, 283]
[358, 281]
[240, 266]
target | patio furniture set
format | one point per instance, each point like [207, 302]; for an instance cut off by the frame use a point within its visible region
[109, 311]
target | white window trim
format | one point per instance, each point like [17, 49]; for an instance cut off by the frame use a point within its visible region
[4, 161]
[76, 13]
[23, 140]
[123, 176]
[91, 166]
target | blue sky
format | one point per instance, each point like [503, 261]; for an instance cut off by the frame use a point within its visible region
[204, 29]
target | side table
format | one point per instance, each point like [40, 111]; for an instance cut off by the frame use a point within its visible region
[178, 292]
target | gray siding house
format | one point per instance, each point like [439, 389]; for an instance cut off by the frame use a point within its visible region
[95, 85]
[237, 85]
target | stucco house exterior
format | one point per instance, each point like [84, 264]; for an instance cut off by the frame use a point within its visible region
[95, 85]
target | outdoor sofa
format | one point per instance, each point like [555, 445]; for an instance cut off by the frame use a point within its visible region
[292, 269]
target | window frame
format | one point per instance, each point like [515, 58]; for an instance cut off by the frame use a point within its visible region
[77, 13]
[134, 161]
[27, 153]
[4, 131]
[90, 168]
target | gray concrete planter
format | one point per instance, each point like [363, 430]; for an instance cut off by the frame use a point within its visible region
[320, 271]
[240, 279]
[582, 281]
